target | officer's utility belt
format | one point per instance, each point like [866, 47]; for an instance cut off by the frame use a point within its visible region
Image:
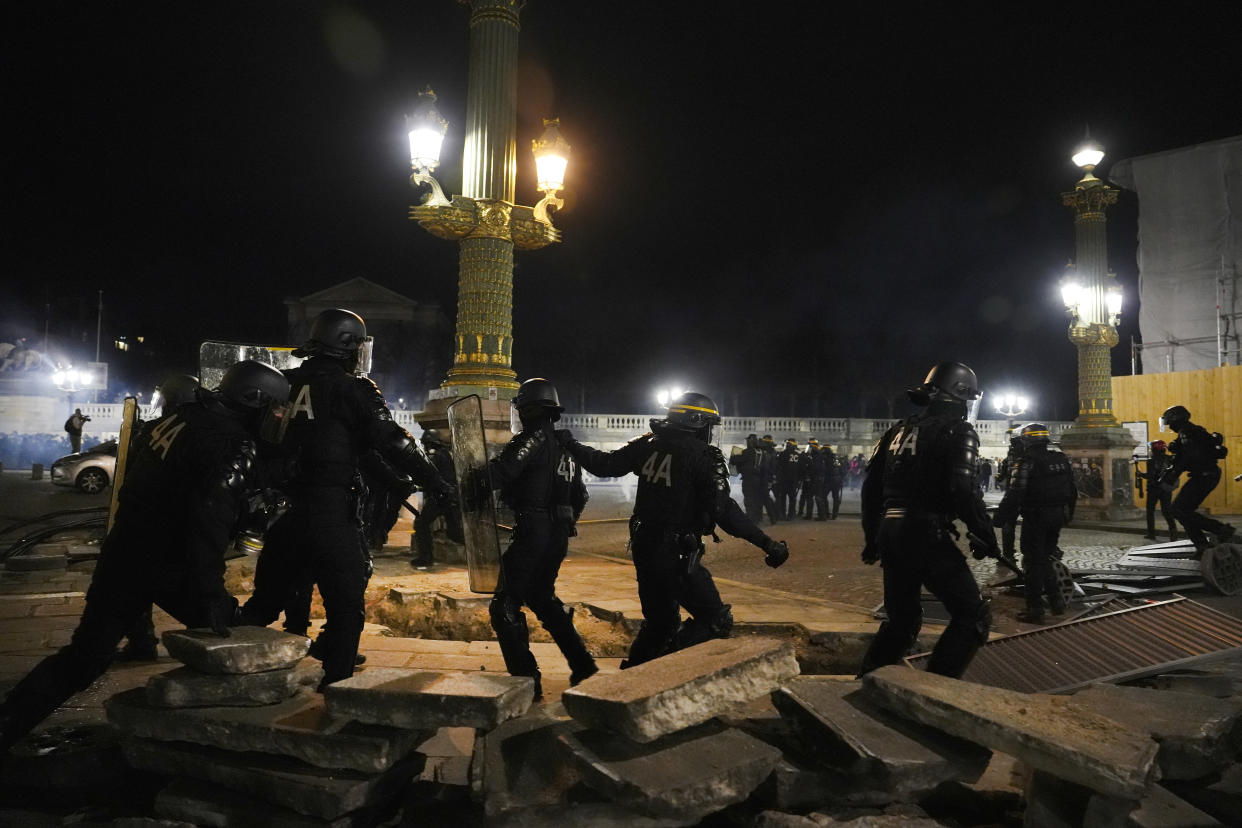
[906, 513]
[561, 514]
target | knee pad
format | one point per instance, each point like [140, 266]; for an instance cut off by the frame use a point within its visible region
[505, 610]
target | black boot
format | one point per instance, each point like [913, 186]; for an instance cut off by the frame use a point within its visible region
[560, 625]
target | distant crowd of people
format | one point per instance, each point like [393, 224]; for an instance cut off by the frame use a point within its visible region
[794, 483]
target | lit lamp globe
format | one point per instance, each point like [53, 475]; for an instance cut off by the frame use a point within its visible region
[1088, 155]
[1071, 295]
[1114, 298]
[551, 152]
[426, 128]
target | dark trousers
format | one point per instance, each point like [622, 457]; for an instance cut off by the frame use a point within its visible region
[834, 490]
[1159, 495]
[75, 441]
[1197, 487]
[1041, 529]
[664, 588]
[124, 586]
[753, 497]
[316, 542]
[529, 570]
[769, 503]
[787, 500]
[916, 553]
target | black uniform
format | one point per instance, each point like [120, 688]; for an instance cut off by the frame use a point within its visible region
[683, 494]
[184, 494]
[543, 485]
[1158, 495]
[1004, 475]
[920, 477]
[767, 475]
[1041, 489]
[1195, 452]
[750, 464]
[385, 490]
[788, 481]
[440, 456]
[834, 470]
[335, 418]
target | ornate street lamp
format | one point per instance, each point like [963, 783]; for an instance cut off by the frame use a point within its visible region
[1011, 405]
[1093, 302]
[484, 219]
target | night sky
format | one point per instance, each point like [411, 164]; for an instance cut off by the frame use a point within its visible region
[792, 206]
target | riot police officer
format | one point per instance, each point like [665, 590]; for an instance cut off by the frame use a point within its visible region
[834, 479]
[750, 465]
[184, 494]
[543, 485]
[1004, 476]
[176, 390]
[683, 494]
[336, 415]
[921, 476]
[1197, 453]
[1041, 489]
[1158, 461]
[788, 480]
[767, 474]
[440, 456]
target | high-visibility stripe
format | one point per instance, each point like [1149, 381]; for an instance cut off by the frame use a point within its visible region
[684, 407]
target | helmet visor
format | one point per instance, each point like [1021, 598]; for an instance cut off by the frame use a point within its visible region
[362, 365]
[274, 421]
[515, 421]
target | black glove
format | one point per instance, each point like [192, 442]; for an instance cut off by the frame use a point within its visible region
[775, 553]
[870, 553]
[985, 547]
[222, 613]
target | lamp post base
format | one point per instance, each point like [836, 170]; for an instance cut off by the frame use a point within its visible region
[495, 404]
[1103, 471]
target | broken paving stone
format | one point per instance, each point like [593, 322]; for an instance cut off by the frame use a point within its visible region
[1050, 733]
[187, 687]
[1198, 735]
[1217, 685]
[299, 727]
[206, 803]
[426, 700]
[521, 764]
[681, 689]
[1163, 809]
[244, 650]
[1055, 803]
[986, 801]
[686, 775]
[581, 815]
[1221, 798]
[847, 732]
[278, 780]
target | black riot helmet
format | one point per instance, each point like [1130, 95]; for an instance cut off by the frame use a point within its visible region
[260, 392]
[251, 384]
[1034, 434]
[768, 441]
[175, 390]
[946, 381]
[693, 411]
[432, 436]
[535, 403]
[1175, 417]
[339, 334]
[752, 441]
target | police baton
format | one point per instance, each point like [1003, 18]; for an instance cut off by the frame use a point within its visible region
[1007, 560]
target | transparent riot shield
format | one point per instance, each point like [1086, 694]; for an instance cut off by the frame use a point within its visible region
[214, 358]
[478, 506]
[129, 421]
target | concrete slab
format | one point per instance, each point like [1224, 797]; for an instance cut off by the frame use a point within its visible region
[682, 689]
[245, 650]
[278, 780]
[427, 700]
[686, 775]
[1198, 735]
[1050, 733]
[299, 727]
[187, 687]
[520, 765]
[842, 729]
[206, 803]
[1163, 809]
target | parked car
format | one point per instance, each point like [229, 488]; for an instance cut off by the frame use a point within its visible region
[91, 471]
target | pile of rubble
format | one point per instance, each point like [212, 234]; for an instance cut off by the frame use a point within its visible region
[725, 733]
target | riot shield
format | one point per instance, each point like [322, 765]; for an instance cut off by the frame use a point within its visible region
[478, 506]
[129, 419]
[214, 358]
